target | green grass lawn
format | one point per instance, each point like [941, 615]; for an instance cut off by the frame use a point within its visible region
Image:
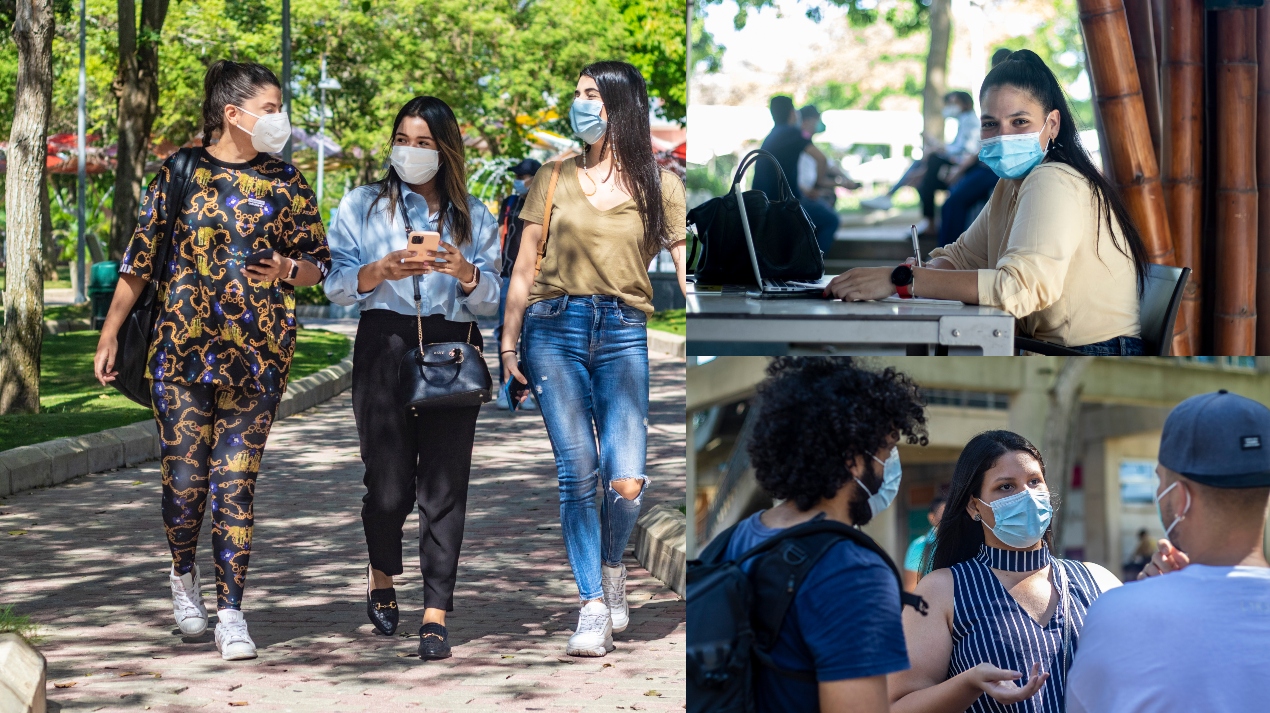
[73, 403]
[671, 320]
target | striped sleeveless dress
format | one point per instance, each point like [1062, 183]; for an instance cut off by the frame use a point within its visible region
[990, 626]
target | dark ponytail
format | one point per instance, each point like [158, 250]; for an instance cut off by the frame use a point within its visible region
[228, 82]
[1026, 71]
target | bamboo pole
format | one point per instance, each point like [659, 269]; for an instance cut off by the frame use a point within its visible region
[1182, 158]
[1235, 181]
[1119, 97]
[1142, 36]
[1263, 179]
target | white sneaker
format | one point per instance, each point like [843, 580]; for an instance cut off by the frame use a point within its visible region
[613, 580]
[882, 202]
[187, 602]
[594, 635]
[231, 636]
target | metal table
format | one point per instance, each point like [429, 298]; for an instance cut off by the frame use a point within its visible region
[727, 323]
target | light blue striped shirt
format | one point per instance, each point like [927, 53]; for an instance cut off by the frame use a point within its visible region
[356, 240]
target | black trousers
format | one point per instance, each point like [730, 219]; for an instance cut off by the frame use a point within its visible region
[931, 182]
[424, 458]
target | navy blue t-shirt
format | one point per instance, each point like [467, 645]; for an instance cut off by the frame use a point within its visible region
[844, 623]
[785, 143]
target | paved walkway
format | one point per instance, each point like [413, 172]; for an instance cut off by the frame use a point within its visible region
[87, 560]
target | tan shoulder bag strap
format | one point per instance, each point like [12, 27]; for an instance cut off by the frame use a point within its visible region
[546, 216]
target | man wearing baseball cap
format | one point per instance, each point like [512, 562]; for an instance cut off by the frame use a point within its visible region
[1194, 635]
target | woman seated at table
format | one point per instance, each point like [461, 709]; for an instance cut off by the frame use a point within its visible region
[1054, 246]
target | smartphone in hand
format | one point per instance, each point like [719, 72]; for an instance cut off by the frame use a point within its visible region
[420, 242]
[258, 258]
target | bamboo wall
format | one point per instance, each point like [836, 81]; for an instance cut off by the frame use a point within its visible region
[1196, 68]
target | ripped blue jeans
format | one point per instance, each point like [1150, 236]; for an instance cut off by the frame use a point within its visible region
[587, 361]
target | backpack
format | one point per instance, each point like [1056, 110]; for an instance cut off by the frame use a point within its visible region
[734, 617]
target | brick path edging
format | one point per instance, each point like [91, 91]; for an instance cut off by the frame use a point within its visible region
[57, 461]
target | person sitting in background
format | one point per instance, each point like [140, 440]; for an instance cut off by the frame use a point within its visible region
[960, 154]
[787, 142]
[917, 549]
[1196, 637]
[970, 182]
[818, 180]
[1055, 246]
[1141, 556]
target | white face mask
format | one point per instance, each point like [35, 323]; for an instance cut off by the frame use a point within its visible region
[891, 473]
[1178, 518]
[415, 165]
[270, 133]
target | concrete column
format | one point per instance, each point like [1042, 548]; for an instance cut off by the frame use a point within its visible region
[884, 529]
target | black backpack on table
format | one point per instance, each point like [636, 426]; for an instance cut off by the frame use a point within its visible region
[734, 617]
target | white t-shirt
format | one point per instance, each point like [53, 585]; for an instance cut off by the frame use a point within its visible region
[806, 172]
[1193, 640]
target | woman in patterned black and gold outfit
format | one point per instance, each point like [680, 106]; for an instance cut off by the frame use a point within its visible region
[225, 331]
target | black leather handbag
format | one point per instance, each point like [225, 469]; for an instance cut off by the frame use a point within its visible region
[443, 375]
[783, 236]
[132, 354]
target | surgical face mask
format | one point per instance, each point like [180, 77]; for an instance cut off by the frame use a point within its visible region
[1022, 518]
[881, 500]
[1012, 155]
[584, 116]
[951, 112]
[1176, 519]
[518, 185]
[270, 133]
[415, 165]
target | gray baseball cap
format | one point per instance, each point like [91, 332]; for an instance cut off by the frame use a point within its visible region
[1219, 439]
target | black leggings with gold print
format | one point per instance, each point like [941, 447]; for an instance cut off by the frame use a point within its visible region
[213, 437]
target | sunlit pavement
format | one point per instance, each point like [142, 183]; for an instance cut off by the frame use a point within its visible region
[89, 563]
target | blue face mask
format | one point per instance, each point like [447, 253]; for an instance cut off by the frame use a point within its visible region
[1012, 155]
[881, 500]
[518, 185]
[1022, 518]
[584, 116]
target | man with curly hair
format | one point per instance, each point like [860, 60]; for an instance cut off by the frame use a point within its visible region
[824, 445]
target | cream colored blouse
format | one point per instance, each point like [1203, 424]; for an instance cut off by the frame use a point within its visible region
[1044, 256]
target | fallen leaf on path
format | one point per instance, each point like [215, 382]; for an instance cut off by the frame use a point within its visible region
[566, 661]
[652, 693]
[127, 673]
[508, 656]
[138, 482]
[236, 686]
[64, 685]
[238, 703]
[607, 665]
[15, 533]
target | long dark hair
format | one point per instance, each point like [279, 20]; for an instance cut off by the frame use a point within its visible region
[1028, 72]
[625, 96]
[451, 178]
[958, 537]
[228, 82]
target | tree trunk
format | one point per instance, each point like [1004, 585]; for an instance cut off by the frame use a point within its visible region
[137, 86]
[23, 329]
[936, 74]
[48, 243]
[1059, 445]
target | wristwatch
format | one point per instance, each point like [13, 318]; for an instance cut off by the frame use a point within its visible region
[295, 270]
[902, 278]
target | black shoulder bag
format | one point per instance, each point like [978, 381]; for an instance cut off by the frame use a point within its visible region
[133, 351]
[444, 375]
[784, 237]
